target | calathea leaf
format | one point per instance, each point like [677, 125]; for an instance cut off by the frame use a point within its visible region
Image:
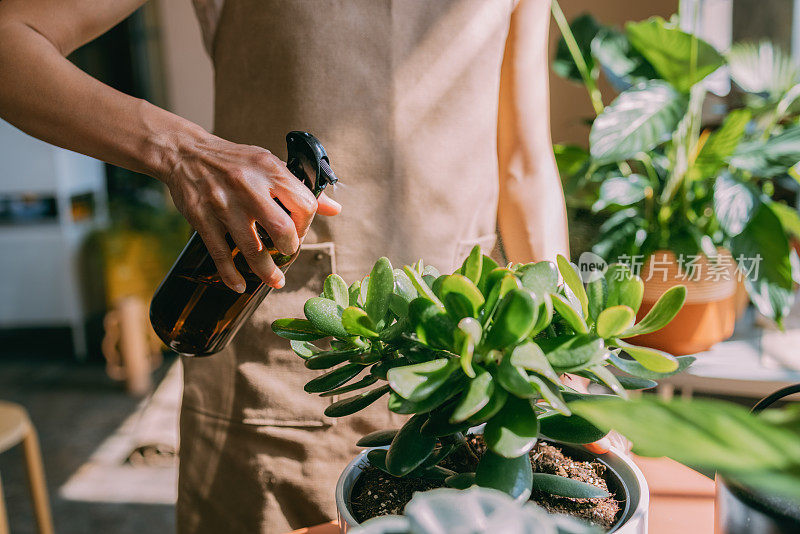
[513, 431]
[623, 65]
[638, 120]
[680, 58]
[735, 202]
[721, 144]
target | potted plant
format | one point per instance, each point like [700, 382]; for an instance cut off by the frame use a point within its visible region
[476, 510]
[484, 346]
[756, 456]
[682, 203]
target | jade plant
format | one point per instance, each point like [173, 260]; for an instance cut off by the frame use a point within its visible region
[485, 344]
[659, 177]
[476, 510]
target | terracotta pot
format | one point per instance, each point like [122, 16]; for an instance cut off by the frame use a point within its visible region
[709, 313]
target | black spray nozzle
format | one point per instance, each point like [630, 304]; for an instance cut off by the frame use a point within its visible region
[308, 161]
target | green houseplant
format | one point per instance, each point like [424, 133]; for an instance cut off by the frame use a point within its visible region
[659, 178]
[484, 345]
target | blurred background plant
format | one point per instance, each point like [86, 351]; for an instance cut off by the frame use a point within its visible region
[657, 177]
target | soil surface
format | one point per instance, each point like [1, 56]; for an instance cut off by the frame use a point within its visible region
[376, 493]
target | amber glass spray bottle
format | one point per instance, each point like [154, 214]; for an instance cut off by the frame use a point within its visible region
[193, 311]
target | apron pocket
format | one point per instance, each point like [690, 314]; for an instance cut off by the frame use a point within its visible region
[486, 242]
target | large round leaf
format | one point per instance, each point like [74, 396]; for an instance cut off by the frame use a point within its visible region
[573, 352]
[638, 120]
[513, 431]
[461, 290]
[541, 277]
[297, 330]
[416, 382]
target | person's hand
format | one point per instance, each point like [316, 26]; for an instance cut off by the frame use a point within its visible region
[223, 187]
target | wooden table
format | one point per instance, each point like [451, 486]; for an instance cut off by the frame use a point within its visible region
[681, 500]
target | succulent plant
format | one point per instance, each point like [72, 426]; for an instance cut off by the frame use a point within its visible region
[485, 344]
[477, 511]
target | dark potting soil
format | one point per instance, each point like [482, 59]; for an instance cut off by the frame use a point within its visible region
[376, 493]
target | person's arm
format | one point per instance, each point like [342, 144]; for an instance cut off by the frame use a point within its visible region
[217, 185]
[531, 213]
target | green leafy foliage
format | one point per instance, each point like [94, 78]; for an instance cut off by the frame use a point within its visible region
[482, 345]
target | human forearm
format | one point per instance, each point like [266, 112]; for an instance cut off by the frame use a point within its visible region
[46, 96]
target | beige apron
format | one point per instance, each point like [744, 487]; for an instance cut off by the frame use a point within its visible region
[404, 95]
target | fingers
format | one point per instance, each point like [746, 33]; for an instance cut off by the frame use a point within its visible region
[213, 234]
[243, 232]
[280, 227]
[327, 206]
[298, 199]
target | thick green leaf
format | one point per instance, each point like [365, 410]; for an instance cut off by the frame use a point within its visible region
[304, 349]
[735, 203]
[515, 380]
[439, 425]
[336, 290]
[636, 383]
[422, 288]
[569, 429]
[330, 358]
[549, 393]
[513, 431]
[514, 318]
[381, 285]
[621, 191]
[471, 334]
[569, 314]
[663, 311]
[724, 436]
[377, 458]
[379, 438]
[638, 120]
[680, 58]
[432, 325]
[333, 379]
[573, 352]
[541, 277]
[614, 320]
[600, 374]
[487, 266]
[461, 481]
[652, 359]
[573, 281]
[477, 396]
[721, 144]
[357, 322]
[353, 292]
[473, 265]
[566, 487]
[636, 369]
[410, 447]
[624, 287]
[403, 286]
[499, 289]
[530, 356]
[462, 291]
[297, 330]
[364, 382]
[511, 475]
[545, 315]
[356, 403]
[326, 316]
[416, 382]
[597, 292]
[496, 403]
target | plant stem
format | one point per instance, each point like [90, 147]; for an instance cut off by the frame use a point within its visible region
[575, 51]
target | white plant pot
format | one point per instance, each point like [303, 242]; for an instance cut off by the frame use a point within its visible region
[620, 465]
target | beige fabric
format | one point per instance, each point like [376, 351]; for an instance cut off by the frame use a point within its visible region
[403, 94]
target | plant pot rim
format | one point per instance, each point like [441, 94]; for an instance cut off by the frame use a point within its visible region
[633, 515]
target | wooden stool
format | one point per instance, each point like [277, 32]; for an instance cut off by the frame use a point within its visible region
[16, 428]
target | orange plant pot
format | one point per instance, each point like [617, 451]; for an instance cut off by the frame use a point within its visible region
[709, 313]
